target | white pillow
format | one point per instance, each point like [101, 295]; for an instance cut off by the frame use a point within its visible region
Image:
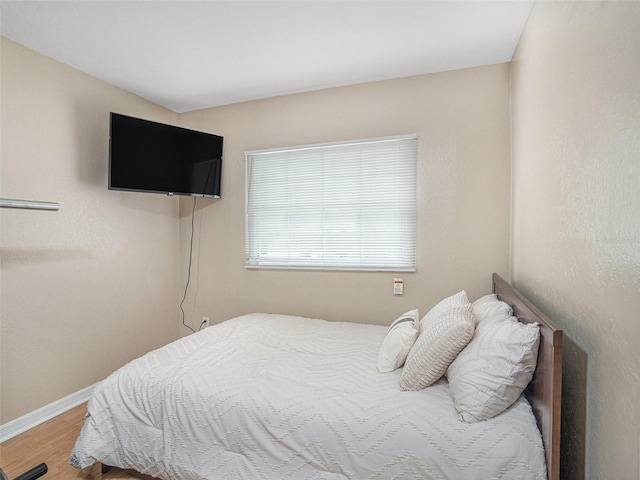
[489, 308]
[494, 369]
[444, 332]
[400, 338]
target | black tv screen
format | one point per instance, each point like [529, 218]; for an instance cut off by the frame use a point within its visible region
[152, 157]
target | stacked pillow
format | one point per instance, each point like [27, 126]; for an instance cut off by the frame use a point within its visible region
[487, 355]
[497, 365]
[444, 332]
[400, 338]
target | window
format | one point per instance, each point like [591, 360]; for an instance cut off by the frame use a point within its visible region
[342, 206]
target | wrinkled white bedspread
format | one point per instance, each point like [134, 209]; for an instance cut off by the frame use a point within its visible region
[279, 397]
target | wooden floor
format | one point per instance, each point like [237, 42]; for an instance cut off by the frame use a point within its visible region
[51, 443]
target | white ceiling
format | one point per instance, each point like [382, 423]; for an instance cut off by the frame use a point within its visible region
[188, 55]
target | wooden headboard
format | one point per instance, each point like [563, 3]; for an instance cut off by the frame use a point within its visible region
[545, 390]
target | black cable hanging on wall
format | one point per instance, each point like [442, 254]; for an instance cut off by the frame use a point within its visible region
[186, 287]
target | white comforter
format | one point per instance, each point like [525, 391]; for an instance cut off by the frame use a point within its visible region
[279, 397]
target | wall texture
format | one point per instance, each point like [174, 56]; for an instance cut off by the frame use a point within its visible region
[94, 285]
[462, 121]
[576, 221]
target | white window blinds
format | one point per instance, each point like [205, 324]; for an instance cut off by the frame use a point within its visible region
[347, 206]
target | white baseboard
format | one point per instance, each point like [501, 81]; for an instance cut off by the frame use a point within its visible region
[35, 418]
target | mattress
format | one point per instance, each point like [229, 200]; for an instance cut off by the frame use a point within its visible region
[267, 396]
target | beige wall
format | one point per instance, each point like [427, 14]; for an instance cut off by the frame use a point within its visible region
[89, 287]
[576, 217]
[462, 122]
[92, 286]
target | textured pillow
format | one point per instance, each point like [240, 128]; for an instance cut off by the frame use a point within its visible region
[490, 308]
[444, 332]
[494, 369]
[400, 338]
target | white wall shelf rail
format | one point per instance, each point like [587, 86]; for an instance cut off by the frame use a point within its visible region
[28, 204]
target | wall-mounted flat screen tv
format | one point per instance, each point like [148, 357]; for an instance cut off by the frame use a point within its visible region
[147, 156]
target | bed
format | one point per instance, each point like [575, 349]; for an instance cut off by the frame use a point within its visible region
[282, 397]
